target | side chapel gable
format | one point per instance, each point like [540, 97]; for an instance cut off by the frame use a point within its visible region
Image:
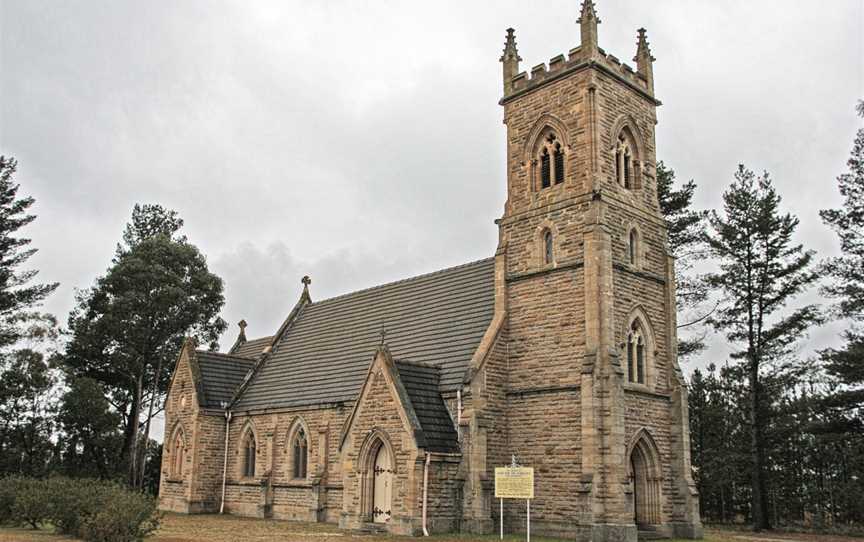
[383, 367]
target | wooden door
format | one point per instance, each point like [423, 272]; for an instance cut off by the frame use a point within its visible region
[382, 490]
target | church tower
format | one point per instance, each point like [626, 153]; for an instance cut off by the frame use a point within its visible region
[595, 399]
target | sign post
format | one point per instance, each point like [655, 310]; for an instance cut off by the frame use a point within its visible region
[515, 482]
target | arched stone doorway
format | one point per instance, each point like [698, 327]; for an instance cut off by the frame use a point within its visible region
[645, 478]
[382, 485]
[378, 470]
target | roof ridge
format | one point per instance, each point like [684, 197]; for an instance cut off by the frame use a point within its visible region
[407, 279]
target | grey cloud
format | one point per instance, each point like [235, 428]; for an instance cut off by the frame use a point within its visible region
[362, 142]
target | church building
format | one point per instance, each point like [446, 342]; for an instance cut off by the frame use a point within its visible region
[389, 408]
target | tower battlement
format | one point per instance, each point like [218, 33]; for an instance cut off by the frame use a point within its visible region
[587, 55]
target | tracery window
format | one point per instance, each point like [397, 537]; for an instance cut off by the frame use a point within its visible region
[548, 248]
[624, 163]
[300, 448]
[551, 161]
[249, 455]
[636, 354]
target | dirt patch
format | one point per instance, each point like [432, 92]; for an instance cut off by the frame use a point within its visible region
[214, 528]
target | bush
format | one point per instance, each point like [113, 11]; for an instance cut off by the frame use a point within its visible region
[9, 487]
[94, 510]
[123, 517]
[30, 505]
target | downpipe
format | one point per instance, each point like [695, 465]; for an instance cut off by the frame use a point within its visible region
[225, 460]
[426, 490]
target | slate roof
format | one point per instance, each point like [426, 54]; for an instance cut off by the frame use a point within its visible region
[221, 375]
[251, 349]
[437, 319]
[421, 384]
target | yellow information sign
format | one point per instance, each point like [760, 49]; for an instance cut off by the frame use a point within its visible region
[514, 483]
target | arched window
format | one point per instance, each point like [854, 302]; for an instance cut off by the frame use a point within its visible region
[177, 450]
[249, 455]
[636, 354]
[299, 449]
[633, 247]
[624, 163]
[551, 158]
[548, 248]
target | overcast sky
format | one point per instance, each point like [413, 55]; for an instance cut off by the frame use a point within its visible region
[362, 142]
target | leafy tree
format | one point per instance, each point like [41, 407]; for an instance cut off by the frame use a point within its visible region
[90, 436]
[687, 245]
[26, 413]
[760, 271]
[126, 330]
[17, 293]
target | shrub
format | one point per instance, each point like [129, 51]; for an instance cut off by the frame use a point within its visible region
[31, 504]
[9, 488]
[94, 510]
[123, 516]
[73, 501]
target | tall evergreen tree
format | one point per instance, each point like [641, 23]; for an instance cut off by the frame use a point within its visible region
[17, 292]
[760, 271]
[687, 244]
[847, 270]
[127, 329]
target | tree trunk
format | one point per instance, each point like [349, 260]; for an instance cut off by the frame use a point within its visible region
[133, 445]
[759, 502]
[142, 458]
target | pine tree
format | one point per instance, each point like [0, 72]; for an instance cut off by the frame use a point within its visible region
[760, 271]
[17, 293]
[686, 242]
[847, 270]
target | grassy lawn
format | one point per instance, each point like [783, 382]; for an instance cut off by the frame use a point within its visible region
[209, 528]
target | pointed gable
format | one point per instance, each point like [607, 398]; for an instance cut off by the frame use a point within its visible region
[412, 390]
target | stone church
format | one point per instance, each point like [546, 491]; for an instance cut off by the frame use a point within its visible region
[389, 408]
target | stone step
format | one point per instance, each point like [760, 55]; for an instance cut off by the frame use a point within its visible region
[373, 528]
[650, 535]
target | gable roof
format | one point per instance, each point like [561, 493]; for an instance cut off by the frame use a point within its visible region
[421, 385]
[437, 319]
[221, 375]
[251, 349]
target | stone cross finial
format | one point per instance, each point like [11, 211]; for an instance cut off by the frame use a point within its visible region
[306, 281]
[242, 336]
[510, 58]
[383, 335]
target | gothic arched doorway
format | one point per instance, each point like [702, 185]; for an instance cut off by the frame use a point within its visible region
[382, 483]
[645, 479]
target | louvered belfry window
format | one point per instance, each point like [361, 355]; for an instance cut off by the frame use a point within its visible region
[551, 159]
[559, 163]
[545, 173]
